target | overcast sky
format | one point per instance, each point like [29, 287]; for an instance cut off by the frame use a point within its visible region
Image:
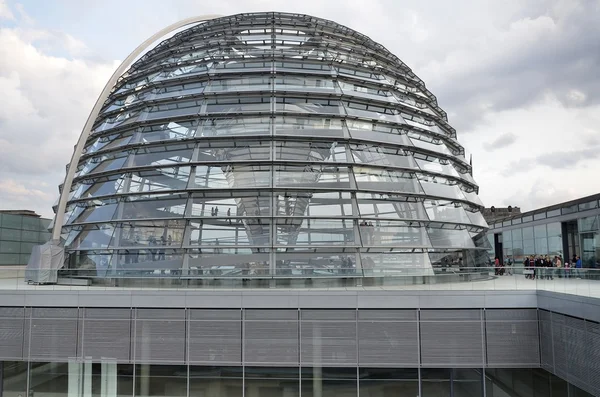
[520, 81]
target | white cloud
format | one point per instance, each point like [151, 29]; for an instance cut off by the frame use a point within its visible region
[516, 77]
[43, 107]
[5, 12]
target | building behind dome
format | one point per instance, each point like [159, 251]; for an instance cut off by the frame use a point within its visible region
[272, 144]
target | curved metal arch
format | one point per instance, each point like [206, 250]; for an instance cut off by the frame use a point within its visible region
[64, 195]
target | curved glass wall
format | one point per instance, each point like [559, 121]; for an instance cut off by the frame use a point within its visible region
[272, 144]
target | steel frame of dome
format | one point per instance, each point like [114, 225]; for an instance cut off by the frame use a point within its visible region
[323, 153]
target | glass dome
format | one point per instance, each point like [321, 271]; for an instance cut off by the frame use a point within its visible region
[272, 144]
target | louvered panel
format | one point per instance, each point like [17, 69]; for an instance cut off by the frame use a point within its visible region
[26, 332]
[328, 315]
[387, 315]
[328, 342]
[271, 342]
[252, 314]
[53, 339]
[162, 314]
[106, 334]
[215, 342]
[12, 312]
[214, 314]
[451, 315]
[546, 348]
[559, 345]
[388, 343]
[11, 338]
[159, 341]
[511, 315]
[451, 343]
[512, 342]
[593, 348]
[54, 312]
[576, 351]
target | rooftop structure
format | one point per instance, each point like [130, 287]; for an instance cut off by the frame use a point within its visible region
[270, 144]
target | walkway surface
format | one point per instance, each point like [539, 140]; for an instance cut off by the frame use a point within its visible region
[575, 286]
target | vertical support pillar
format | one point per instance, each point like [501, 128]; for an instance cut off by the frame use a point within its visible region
[144, 379]
[75, 377]
[317, 369]
[108, 380]
[87, 380]
[1, 376]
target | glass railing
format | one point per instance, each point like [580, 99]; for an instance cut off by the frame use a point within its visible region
[584, 282]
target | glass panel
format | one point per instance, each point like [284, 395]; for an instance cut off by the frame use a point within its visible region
[553, 213]
[13, 378]
[371, 131]
[476, 218]
[446, 211]
[10, 234]
[446, 238]
[378, 382]
[540, 231]
[149, 207]
[438, 166]
[161, 155]
[231, 177]
[386, 180]
[31, 223]
[528, 218]
[569, 210]
[442, 190]
[237, 261]
[297, 231]
[368, 92]
[305, 84]
[216, 381]
[435, 382]
[11, 221]
[311, 152]
[527, 233]
[555, 246]
[234, 204]
[90, 237]
[242, 104]
[235, 126]
[100, 187]
[541, 246]
[107, 162]
[298, 262]
[10, 247]
[339, 382]
[374, 111]
[177, 90]
[169, 131]
[216, 232]
[373, 205]
[382, 263]
[169, 178]
[161, 380]
[588, 206]
[541, 215]
[238, 150]
[437, 146]
[239, 84]
[309, 105]
[467, 382]
[103, 211]
[312, 176]
[590, 223]
[554, 229]
[320, 204]
[303, 126]
[399, 234]
[272, 382]
[529, 247]
[381, 155]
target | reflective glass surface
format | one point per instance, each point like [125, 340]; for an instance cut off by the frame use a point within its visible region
[269, 151]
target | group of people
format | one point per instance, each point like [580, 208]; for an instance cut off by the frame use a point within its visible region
[367, 231]
[542, 267]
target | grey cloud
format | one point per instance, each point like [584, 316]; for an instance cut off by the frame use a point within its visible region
[552, 160]
[501, 142]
